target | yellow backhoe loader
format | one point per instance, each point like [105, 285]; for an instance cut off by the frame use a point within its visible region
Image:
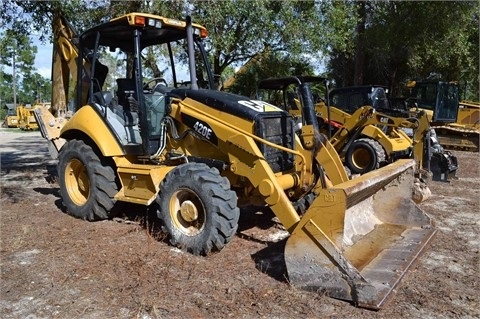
[456, 122]
[21, 117]
[26, 116]
[195, 154]
[364, 136]
[365, 147]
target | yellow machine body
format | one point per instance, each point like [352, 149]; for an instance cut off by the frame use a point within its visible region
[12, 121]
[456, 122]
[26, 118]
[393, 141]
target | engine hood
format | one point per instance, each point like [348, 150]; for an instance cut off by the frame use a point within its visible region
[237, 105]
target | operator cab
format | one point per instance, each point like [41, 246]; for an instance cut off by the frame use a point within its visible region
[441, 98]
[133, 99]
[349, 99]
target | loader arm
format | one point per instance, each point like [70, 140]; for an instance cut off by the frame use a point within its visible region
[245, 159]
[64, 85]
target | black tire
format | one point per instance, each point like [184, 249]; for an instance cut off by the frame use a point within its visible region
[304, 203]
[87, 184]
[198, 209]
[364, 155]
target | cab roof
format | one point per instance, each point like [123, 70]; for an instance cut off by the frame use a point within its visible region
[118, 32]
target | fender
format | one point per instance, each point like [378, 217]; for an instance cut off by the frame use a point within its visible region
[88, 121]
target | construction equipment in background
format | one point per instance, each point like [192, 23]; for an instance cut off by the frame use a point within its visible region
[26, 115]
[352, 131]
[427, 151]
[26, 118]
[469, 114]
[11, 119]
[432, 160]
[456, 123]
[362, 147]
[194, 155]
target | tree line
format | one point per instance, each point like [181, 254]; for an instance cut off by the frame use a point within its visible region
[349, 42]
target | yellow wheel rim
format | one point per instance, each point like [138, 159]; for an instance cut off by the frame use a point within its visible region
[187, 212]
[361, 158]
[77, 182]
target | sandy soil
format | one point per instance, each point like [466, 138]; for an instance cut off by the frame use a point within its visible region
[56, 266]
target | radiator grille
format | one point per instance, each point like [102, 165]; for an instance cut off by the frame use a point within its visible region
[276, 129]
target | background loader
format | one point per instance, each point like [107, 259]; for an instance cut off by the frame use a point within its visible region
[11, 118]
[457, 123]
[365, 147]
[195, 155]
[363, 137]
[22, 116]
[427, 150]
[26, 115]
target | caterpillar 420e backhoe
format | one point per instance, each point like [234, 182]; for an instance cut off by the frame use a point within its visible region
[195, 154]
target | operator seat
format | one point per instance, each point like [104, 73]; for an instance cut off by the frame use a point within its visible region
[126, 88]
[126, 99]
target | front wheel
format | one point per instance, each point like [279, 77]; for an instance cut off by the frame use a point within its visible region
[87, 183]
[364, 155]
[198, 209]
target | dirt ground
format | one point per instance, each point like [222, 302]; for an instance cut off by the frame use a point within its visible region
[56, 266]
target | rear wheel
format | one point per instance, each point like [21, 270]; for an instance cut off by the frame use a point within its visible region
[198, 209]
[364, 155]
[87, 184]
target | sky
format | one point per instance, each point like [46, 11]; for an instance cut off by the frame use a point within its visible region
[43, 59]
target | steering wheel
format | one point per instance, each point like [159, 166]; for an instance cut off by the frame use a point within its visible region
[160, 83]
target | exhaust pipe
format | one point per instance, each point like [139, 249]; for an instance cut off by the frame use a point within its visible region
[191, 54]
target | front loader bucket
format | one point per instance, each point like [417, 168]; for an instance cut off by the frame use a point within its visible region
[359, 238]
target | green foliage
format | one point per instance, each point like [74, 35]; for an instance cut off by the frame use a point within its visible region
[402, 39]
[3, 114]
[338, 19]
[238, 29]
[25, 17]
[412, 40]
[269, 65]
[18, 48]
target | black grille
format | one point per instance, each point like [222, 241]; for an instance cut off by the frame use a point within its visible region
[276, 128]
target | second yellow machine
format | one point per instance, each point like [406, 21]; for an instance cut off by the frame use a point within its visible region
[195, 155]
